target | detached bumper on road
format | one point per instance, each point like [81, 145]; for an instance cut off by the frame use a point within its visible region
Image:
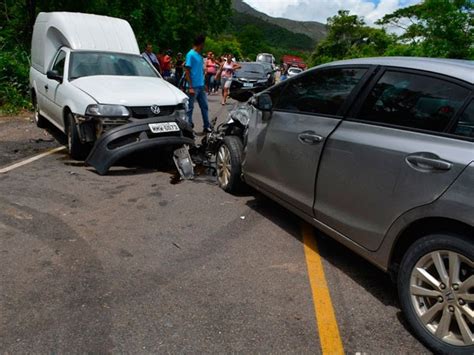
[133, 137]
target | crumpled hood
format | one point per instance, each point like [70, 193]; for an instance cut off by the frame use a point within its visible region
[130, 90]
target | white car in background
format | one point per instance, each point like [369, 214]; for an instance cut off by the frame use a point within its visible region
[293, 71]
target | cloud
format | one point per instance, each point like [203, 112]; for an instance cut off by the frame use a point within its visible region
[320, 10]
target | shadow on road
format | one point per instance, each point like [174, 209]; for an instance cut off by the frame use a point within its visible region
[358, 269]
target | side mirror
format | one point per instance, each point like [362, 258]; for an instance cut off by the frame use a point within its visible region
[263, 102]
[54, 75]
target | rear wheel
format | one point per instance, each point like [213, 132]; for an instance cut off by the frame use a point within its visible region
[39, 119]
[77, 150]
[436, 289]
[229, 164]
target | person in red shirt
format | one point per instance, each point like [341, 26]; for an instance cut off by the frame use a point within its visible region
[211, 71]
[166, 64]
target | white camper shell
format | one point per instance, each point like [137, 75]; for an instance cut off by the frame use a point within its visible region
[88, 78]
[78, 31]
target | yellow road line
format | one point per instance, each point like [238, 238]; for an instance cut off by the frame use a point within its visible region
[30, 160]
[329, 337]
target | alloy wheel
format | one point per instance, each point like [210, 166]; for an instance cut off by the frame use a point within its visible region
[442, 294]
[224, 166]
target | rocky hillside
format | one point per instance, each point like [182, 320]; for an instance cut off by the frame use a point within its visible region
[314, 30]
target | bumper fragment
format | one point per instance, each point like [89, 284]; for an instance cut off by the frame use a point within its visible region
[133, 137]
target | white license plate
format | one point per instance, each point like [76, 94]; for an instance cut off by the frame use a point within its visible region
[248, 85]
[163, 127]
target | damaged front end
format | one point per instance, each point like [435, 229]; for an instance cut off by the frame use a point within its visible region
[117, 136]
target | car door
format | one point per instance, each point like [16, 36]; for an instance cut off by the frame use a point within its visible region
[53, 107]
[282, 152]
[394, 154]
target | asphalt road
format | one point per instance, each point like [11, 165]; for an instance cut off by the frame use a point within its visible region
[132, 263]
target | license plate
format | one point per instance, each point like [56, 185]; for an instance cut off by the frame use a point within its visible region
[163, 127]
[248, 85]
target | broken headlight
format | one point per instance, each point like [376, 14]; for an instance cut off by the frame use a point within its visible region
[107, 111]
[182, 109]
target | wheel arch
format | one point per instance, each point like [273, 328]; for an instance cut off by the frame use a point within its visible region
[419, 229]
[66, 111]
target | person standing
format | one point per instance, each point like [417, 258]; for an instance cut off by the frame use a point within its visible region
[194, 69]
[151, 57]
[166, 64]
[178, 67]
[227, 73]
[211, 71]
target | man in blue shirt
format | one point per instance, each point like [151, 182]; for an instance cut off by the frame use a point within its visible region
[194, 67]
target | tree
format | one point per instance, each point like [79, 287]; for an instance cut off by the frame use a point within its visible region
[436, 28]
[349, 37]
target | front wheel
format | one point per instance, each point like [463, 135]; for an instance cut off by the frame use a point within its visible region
[229, 164]
[77, 150]
[436, 290]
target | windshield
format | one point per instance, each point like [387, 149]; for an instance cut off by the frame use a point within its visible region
[265, 58]
[103, 63]
[251, 70]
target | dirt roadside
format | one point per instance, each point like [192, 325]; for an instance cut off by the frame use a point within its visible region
[20, 138]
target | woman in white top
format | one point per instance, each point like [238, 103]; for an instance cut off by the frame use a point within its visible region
[226, 73]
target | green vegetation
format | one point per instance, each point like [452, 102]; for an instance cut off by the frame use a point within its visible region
[165, 23]
[433, 28]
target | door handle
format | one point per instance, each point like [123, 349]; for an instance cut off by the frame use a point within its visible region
[428, 161]
[309, 137]
[46, 87]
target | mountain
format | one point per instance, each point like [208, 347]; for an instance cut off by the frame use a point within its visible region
[312, 29]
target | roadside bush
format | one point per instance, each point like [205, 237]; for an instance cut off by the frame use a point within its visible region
[14, 74]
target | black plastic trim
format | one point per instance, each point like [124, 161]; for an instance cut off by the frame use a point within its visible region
[102, 158]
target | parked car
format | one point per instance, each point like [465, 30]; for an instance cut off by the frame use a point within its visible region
[270, 71]
[292, 71]
[378, 153]
[251, 78]
[89, 80]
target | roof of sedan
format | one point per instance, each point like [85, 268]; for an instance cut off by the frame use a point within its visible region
[461, 69]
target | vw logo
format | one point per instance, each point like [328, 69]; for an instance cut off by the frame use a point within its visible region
[155, 109]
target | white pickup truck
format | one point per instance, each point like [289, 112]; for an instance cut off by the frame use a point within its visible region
[89, 80]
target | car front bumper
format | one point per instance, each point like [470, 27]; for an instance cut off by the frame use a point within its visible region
[133, 137]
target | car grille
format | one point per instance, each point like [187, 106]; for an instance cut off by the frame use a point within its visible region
[145, 111]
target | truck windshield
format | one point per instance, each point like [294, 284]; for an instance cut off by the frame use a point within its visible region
[101, 63]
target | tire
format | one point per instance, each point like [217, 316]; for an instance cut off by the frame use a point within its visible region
[38, 118]
[229, 164]
[437, 318]
[77, 150]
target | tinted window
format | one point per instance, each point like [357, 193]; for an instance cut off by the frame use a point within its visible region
[59, 63]
[413, 100]
[321, 92]
[465, 125]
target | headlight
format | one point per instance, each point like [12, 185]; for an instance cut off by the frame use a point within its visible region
[263, 81]
[183, 109]
[186, 104]
[107, 111]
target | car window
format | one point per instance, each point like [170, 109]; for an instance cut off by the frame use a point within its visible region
[321, 92]
[413, 100]
[59, 63]
[465, 125]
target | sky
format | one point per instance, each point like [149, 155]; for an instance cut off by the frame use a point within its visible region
[320, 10]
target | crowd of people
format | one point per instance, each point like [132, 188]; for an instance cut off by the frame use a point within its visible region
[195, 74]
[218, 70]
